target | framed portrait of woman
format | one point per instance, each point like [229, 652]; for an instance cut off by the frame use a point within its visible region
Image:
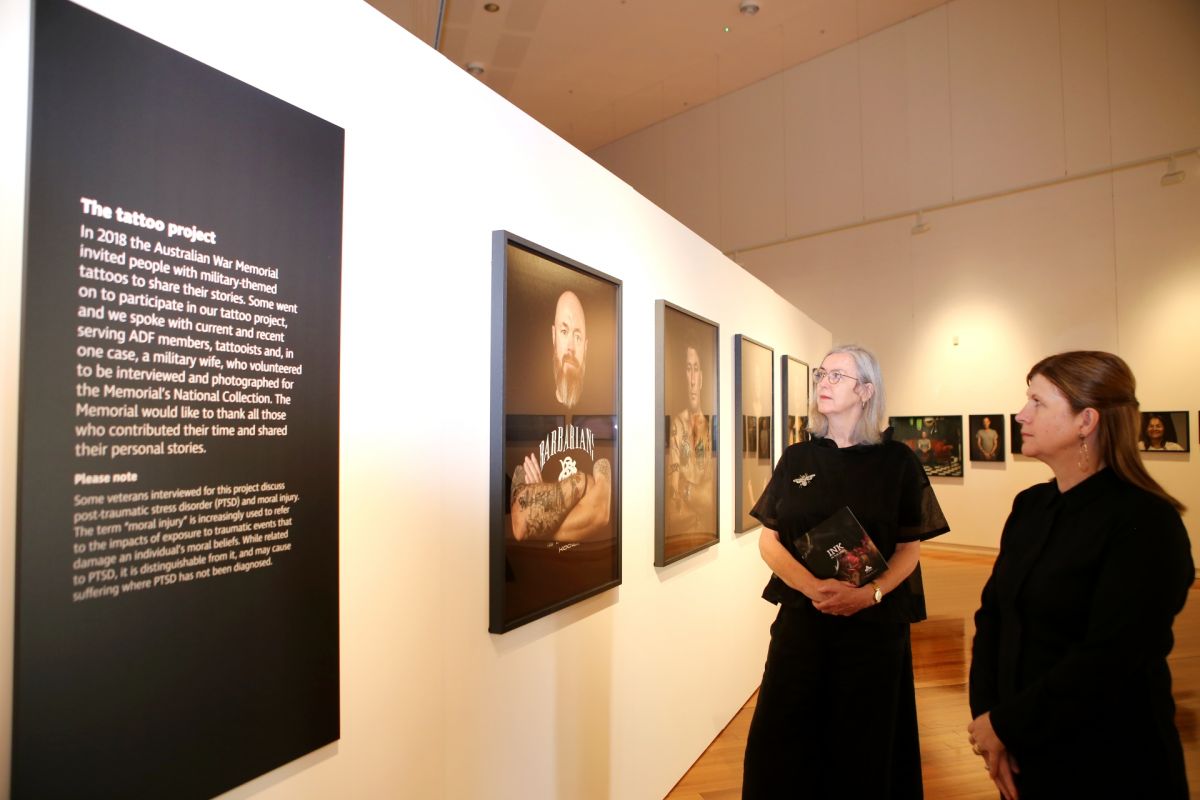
[687, 464]
[754, 399]
[1164, 432]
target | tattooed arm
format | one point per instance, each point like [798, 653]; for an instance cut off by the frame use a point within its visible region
[674, 490]
[538, 509]
[690, 500]
[589, 519]
[571, 510]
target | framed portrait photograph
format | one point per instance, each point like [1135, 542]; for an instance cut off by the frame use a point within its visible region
[985, 437]
[556, 412]
[794, 377]
[687, 398]
[1014, 429]
[753, 401]
[1164, 432]
[937, 441]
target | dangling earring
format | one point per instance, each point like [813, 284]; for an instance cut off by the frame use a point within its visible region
[1084, 464]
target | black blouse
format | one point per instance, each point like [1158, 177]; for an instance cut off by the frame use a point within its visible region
[1073, 632]
[886, 488]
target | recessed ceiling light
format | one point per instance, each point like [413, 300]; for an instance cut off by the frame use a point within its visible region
[748, 7]
[491, 8]
[475, 68]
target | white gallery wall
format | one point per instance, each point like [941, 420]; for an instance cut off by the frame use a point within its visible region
[1033, 135]
[612, 698]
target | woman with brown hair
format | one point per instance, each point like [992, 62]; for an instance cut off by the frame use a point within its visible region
[1070, 688]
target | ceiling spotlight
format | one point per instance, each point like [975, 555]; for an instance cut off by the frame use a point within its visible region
[748, 7]
[921, 225]
[491, 8]
[1173, 174]
[475, 68]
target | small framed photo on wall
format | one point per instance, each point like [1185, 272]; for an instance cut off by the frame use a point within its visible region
[687, 462]
[754, 401]
[985, 437]
[1164, 432]
[1014, 429]
[937, 441]
[794, 378]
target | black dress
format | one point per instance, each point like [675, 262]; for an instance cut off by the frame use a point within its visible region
[1072, 637]
[836, 714]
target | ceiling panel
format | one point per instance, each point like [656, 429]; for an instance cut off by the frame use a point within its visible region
[590, 70]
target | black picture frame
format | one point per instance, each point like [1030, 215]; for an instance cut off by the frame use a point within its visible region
[687, 458]
[754, 403]
[794, 379]
[942, 456]
[557, 409]
[985, 438]
[1014, 430]
[1176, 434]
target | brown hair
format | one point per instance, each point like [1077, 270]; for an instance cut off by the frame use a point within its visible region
[1103, 381]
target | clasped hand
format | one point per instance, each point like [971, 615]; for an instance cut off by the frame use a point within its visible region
[1001, 766]
[838, 598]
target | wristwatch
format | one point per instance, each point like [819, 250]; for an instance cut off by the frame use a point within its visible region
[878, 592]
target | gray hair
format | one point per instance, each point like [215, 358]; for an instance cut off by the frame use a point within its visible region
[872, 422]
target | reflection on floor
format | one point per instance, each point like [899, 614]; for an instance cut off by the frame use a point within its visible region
[941, 646]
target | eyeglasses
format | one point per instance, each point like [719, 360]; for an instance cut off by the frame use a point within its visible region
[835, 377]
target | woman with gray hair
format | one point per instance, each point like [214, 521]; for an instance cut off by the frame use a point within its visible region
[836, 714]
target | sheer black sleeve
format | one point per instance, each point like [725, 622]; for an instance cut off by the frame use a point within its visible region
[921, 516]
[766, 510]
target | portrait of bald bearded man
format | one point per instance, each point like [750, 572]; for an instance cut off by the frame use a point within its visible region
[560, 492]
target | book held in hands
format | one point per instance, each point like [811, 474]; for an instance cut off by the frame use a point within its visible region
[840, 548]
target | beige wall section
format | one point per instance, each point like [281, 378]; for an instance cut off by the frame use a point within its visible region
[1086, 108]
[986, 97]
[1154, 58]
[1005, 94]
[906, 116]
[612, 698]
[689, 144]
[823, 157]
[751, 156]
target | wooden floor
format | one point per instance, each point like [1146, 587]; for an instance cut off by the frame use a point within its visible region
[941, 647]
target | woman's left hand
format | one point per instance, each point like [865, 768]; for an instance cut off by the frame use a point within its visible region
[999, 762]
[842, 599]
